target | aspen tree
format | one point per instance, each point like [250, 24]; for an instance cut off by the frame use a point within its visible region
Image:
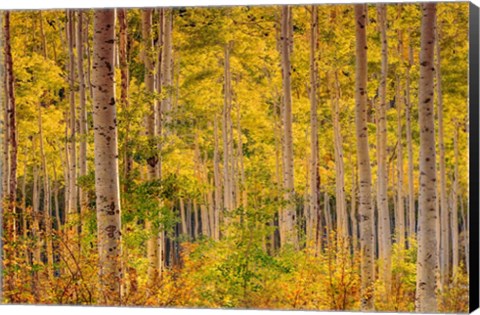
[314, 194]
[72, 136]
[150, 131]
[454, 221]
[124, 85]
[444, 254]
[384, 233]
[106, 158]
[408, 127]
[3, 159]
[288, 216]
[12, 149]
[340, 202]
[366, 215]
[425, 299]
[83, 114]
[217, 182]
[400, 214]
[46, 198]
[228, 198]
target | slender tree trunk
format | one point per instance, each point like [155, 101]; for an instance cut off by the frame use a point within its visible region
[159, 81]
[218, 183]
[72, 203]
[353, 212]
[37, 251]
[328, 215]
[341, 206]
[3, 141]
[384, 233]
[65, 166]
[242, 195]
[89, 60]
[124, 85]
[106, 159]
[314, 194]
[454, 227]
[195, 220]
[83, 116]
[46, 199]
[167, 66]
[444, 211]
[55, 197]
[366, 215]
[427, 236]
[466, 231]
[182, 216]
[150, 131]
[400, 214]
[288, 217]
[25, 210]
[211, 209]
[42, 34]
[227, 141]
[6, 121]
[9, 214]
[412, 223]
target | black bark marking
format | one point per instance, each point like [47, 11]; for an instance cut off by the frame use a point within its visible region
[110, 230]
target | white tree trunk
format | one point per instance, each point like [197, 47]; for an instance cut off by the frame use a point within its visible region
[366, 214]
[314, 194]
[288, 219]
[83, 114]
[412, 222]
[341, 207]
[444, 211]
[72, 172]
[384, 232]
[427, 234]
[455, 188]
[106, 158]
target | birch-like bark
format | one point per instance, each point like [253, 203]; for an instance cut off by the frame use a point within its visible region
[72, 161]
[3, 140]
[412, 222]
[384, 232]
[288, 217]
[454, 222]
[106, 159]
[366, 215]
[353, 212]
[167, 67]
[444, 210]
[465, 231]
[46, 198]
[9, 213]
[314, 194]
[124, 85]
[82, 115]
[400, 214]
[340, 202]
[217, 182]
[228, 200]
[425, 299]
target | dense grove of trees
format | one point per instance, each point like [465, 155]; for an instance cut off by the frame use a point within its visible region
[293, 157]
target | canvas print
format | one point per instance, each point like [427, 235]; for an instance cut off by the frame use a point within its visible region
[288, 157]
